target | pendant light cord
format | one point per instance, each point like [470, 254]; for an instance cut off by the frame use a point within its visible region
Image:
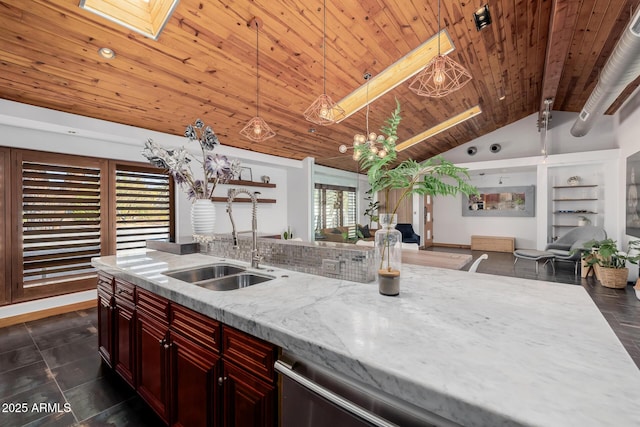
[438, 27]
[257, 71]
[324, 47]
[367, 76]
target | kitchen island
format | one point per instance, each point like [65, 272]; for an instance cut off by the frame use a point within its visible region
[477, 349]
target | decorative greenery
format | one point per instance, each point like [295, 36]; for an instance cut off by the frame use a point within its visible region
[434, 176]
[216, 168]
[605, 253]
[372, 208]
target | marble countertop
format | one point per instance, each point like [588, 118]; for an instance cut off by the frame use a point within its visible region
[477, 349]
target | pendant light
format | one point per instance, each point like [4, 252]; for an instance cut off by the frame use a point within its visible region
[257, 129]
[369, 139]
[441, 76]
[323, 111]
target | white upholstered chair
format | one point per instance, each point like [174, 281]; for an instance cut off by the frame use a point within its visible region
[476, 263]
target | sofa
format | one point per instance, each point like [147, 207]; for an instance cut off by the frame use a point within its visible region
[334, 234]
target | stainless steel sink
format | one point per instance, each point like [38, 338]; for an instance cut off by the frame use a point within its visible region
[236, 281]
[198, 274]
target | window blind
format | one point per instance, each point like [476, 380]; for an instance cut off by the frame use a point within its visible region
[60, 221]
[143, 208]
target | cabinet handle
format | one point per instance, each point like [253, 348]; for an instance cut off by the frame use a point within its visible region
[162, 342]
[166, 346]
[221, 380]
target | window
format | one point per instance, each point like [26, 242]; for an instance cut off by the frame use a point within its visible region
[60, 223]
[68, 209]
[334, 206]
[144, 207]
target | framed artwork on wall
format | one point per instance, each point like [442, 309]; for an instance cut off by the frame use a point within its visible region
[632, 209]
[501, 201]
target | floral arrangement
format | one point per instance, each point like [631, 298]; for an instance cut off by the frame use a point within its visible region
[216, 168]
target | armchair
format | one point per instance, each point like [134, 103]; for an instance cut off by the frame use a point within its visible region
[563, 248]
[408, 235]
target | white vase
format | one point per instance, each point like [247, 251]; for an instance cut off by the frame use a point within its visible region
[203, 216]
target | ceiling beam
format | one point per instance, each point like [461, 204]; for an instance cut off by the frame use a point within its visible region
[562, 24]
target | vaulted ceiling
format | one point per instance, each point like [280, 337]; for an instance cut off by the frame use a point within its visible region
[203, 65]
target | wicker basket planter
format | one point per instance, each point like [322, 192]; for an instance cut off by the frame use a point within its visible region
[613, 277]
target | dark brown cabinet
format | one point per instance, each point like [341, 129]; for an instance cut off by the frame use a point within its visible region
[248, 401]
[105, 318]
[152, 351]
[124, 332]
[194, 378]
[190, 369]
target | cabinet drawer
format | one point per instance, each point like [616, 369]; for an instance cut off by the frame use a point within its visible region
[249, 352]
[195, 326]
[105, 282]
[152, 304]
[124, 290]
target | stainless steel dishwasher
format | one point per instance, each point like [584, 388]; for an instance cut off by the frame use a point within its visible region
[313, 396]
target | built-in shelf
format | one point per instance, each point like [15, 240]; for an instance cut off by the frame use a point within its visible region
[576, 212]
[242, 200]
[565, 206]
[575, 186]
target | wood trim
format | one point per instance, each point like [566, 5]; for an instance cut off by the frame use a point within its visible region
[451, 245]
[5, 229]
[28, 317]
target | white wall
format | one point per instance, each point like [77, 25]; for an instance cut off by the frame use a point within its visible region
[522, 139]
[450, 227]
[627, 131]
[521, 162]
[25, 126]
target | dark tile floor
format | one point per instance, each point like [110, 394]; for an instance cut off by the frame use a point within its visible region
[55, 360]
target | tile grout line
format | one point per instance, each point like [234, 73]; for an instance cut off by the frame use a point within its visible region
[50, 374]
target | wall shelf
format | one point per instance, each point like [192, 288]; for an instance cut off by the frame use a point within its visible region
[564, 204]
[575, 186]
[242, 200]
[250, 183]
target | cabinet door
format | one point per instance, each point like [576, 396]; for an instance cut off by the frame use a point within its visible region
[123, 351]
[152, 363]
[194, 375]
[105, 327]
[248, 401]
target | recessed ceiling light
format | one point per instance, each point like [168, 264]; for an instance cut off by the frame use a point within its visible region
[107, 53]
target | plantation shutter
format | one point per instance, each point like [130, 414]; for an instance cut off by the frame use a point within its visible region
[143, 207]
[61, 224]
[334, 206]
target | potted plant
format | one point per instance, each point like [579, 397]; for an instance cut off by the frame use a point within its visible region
[611, 263]
[214, 168]
[434, 177]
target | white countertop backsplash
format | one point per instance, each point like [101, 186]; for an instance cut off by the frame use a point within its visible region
[478, 349]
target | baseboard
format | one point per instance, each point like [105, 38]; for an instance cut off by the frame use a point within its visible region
[41, 314]
[451, 245]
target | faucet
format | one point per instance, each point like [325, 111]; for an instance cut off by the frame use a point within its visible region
[233, 192]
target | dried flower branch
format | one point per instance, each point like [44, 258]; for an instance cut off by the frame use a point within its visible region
[216, 168]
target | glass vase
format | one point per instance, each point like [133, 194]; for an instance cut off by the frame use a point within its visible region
[388, 243]
[203, 216]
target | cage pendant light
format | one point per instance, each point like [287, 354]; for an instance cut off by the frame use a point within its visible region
[441, 76]
[323, 111]
[257, 130]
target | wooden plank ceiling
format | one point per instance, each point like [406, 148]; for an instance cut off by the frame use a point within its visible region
[203, 65]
